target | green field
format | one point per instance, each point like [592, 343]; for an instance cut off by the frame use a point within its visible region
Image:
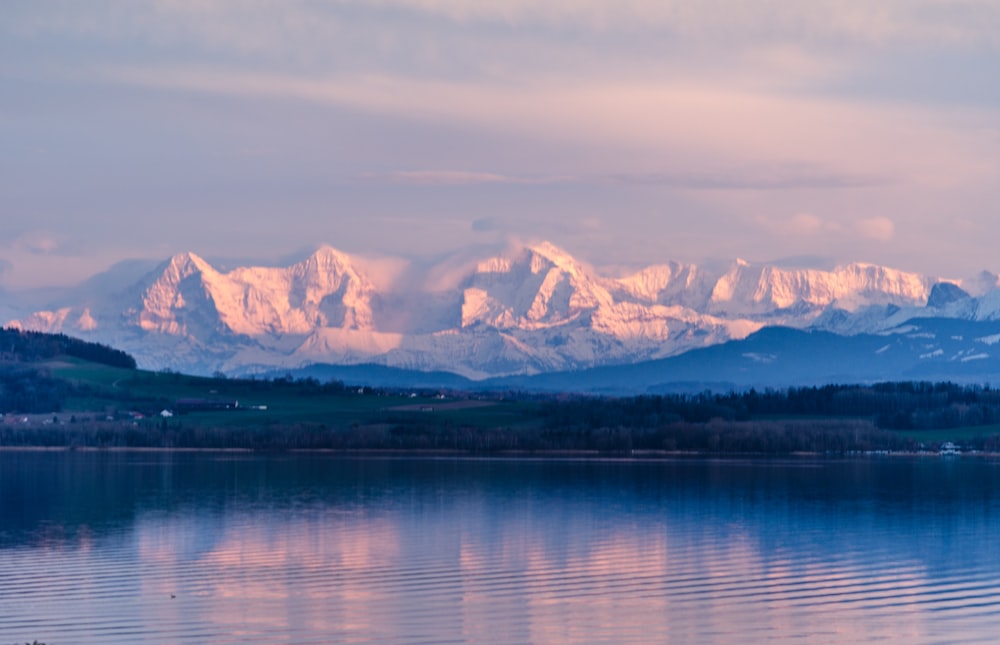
[119, 391]
[956, 435]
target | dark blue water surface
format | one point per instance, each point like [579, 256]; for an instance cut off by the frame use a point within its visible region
[228, 548]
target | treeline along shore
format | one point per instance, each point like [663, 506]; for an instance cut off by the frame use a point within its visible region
[61, 392]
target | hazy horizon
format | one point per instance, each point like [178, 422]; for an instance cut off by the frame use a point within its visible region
[386, 270]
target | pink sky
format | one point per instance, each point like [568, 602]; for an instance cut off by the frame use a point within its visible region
[626, 132]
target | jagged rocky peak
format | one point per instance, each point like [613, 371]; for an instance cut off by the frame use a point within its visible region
[327, 258]
[324, 290]
[663, 283]
[557, 257]
[183, 265]
[528, 264]
[862, 276]
[179, 286]
[536, 285]
[329, 270]
[532, 258]
[162, 288]
[945, 293]
[754, 288]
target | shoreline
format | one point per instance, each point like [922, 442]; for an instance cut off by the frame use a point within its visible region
[583, 454]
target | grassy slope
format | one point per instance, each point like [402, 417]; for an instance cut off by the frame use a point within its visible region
[957, 435]
[122, 390]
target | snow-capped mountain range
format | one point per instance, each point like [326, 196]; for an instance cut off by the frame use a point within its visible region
[532, 309]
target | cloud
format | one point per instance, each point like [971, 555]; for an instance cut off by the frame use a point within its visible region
[486, 225]
[880, 229]
[776, 178]
[382, 271]
[772, 140]
[439, 178]
[617, 110]
[875, 23]
[800, 224]
[36, 243]
[5, 266]
[292, 25]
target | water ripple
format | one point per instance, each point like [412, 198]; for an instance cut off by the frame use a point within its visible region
[467, 560]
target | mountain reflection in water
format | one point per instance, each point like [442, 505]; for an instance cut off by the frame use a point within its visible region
[165, 548]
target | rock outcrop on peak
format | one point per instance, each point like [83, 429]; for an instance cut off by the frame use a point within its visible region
[945, 293]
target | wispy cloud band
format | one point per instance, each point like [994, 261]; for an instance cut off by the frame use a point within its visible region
[748, 179]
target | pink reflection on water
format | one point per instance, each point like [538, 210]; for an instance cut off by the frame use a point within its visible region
[373, 578]
[260, 578]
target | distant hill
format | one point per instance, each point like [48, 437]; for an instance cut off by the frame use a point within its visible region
[380, 376]
[30, 346]
[928, 349]
[921, 349]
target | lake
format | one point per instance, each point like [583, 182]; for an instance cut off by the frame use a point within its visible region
[160, 547]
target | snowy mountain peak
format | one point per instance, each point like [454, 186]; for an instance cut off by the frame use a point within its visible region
[180, 267]
[534, 308]
[179, 286]
[327, 256]
[534, 258]
[186, 264]
[556, 257]
[323, 290]
[651, 281]
[326, 270]
[759, 289]
[669, 284]
[539, 286]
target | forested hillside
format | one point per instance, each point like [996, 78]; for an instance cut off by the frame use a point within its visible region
[28, 387]
[103, 401]
[893, 406]
[29, 346]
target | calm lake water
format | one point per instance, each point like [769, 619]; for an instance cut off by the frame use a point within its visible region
[222, 548]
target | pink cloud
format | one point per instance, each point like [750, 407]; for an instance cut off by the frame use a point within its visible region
[881, 229]
[800, 224]
[702, 124]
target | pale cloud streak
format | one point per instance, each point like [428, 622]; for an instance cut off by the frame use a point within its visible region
[442, 178]
[702, 126]
[880, 229]
[618, 127]
[856, 20]
[800, 224]
[36, 243]
[777, 178]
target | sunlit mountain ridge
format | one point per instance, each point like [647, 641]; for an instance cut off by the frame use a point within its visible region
[532, 309]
